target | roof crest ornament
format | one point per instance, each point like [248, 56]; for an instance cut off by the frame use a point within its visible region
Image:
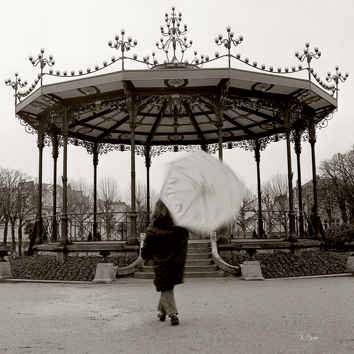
[174, 37]
[176, 40]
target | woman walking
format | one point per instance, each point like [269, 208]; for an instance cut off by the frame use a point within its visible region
[166, 244]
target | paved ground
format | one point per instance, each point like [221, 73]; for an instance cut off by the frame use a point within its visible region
[224, 315]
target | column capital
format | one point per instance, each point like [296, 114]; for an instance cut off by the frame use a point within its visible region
[40, 141]
[147, 156]
[312, 132]
[257, 151]
[297, 142]
[55, 146]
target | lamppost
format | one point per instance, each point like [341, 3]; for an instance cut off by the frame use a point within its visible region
[308, 56]
[123, 45]
[16, 85]
[228, 41]
[336, 78]
[42, 62]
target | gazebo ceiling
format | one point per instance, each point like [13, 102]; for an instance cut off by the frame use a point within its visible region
[176, 105]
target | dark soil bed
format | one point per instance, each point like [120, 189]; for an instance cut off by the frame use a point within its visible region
[282, 264]
[72, 269]
[273, 265]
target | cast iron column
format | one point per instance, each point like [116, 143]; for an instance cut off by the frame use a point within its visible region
[148, 165]
[64, 216]
[222, 232]
[40, 176]
[298, 152]
[219, 126]
[257, 156]
[133, 234]
[55, 154]
[292, 236]
[95, 163]
[316, 225]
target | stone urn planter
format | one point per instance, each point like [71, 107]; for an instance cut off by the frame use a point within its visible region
[5, 267]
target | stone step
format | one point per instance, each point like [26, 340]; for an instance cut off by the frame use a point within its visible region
[199, 262]
[191, 256]
[191, 262]
[187, 269]
[205, 269]
[199, 244]
[214, 274]
[199, 250]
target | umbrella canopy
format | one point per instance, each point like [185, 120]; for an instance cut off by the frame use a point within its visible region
[201, 192]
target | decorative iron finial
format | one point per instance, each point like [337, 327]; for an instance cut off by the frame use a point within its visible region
[122, 45]
[15, 85]
[336, 78]
[174, 33]
[308, 56]
[42, 62]
[228, 41]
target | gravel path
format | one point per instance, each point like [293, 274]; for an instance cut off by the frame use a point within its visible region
[225, 315]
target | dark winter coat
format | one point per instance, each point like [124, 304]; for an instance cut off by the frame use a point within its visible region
[167, 247]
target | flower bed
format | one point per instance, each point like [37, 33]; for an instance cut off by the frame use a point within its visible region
[72, 269]
[338, 235]
[273, 265]
[285, 264]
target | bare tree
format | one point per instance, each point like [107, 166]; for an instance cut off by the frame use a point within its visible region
[16, 203]
[27, 202]
[245, 218]
[327, 199]
[339, 173]
[140, 196]
[141, 202]
[108, 194]
[274, 200]
[80, 207]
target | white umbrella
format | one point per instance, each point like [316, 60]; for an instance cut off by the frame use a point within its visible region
[201, 192]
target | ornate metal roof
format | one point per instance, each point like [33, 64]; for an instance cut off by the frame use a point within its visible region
[176, 103]
[176, 106]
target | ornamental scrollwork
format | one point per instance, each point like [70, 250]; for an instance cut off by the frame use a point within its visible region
[157, 150]
[55, 118]
[254, 103]
[295, 112]
[218, 101]
[324, 122]
[76, 111]
[305, 136]
[212, 148]
[92, 148]
[47, 141]
[105, 148]
[123, 147]
[31, 125]
[134, 103]
[251, 145]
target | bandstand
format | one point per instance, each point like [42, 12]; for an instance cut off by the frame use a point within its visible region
[176, 105]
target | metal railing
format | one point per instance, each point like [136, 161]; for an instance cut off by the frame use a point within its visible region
[115, 226]
[275, 225]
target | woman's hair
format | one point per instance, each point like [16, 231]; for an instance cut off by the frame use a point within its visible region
[161, 214]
